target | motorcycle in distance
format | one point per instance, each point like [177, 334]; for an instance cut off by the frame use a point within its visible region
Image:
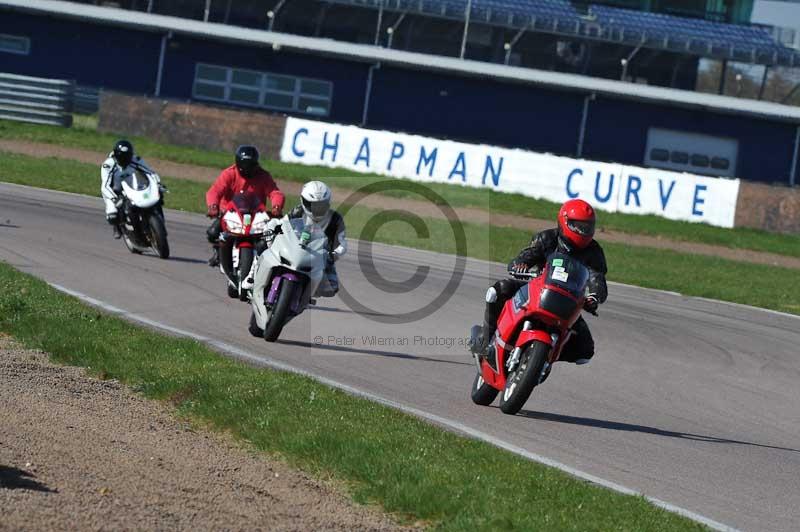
[245, 225]
[533, 328]
[140, 205]
[287, 276]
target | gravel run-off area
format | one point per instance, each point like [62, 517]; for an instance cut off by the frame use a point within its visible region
[79, 453]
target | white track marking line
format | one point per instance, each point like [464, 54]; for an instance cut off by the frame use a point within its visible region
[456, 426]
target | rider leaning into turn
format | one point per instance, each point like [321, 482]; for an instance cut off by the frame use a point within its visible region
[316, 207]
[245, 175]
[120, 163]
[574, 236]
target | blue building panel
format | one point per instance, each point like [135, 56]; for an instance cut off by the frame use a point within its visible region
[475, 109]
[617, 131]
[116, 58]
[349, 78]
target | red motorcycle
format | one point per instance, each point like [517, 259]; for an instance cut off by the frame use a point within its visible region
[244, 225]
[532, 330]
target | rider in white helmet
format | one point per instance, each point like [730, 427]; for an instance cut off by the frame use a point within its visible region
[316, 207]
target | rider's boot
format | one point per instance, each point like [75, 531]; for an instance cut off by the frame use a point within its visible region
[117, 232]
[214, 260]
[482, 342]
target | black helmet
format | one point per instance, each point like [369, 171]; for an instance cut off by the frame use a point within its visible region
[246, 160]
[123, 152]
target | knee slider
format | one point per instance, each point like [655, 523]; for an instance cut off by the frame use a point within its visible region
[491, 295]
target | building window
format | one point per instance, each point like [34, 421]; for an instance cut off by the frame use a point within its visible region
[15, 44]
[262, 89]
[699, 160]
[685, 151]
[658, 154]
[720, 163]
[679, 157]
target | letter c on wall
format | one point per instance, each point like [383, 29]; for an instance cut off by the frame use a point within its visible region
[572, 174]
[297, 152]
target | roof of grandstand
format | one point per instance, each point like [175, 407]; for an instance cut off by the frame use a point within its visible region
[375, 54]
[751, 44]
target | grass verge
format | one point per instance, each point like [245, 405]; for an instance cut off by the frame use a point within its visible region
[85, 136]
[411, 468]
[739, 282]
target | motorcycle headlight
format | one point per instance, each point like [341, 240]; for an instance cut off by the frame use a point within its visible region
[259, 227]
[234, 226]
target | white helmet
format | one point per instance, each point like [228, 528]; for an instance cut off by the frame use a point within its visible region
[316, 197]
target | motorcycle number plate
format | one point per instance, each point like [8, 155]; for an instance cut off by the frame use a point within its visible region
[247, 219]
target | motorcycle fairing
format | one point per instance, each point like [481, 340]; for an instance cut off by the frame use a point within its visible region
[291, 256]
[141, 196]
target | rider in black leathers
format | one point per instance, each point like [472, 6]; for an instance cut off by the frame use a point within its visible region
[574, 237]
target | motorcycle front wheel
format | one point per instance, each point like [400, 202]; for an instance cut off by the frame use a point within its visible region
[482, 393]
[129, 243]
[280, 312]
[245, 263]
[158, 236]
[521, 382]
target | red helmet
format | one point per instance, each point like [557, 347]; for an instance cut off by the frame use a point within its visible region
[576, 222]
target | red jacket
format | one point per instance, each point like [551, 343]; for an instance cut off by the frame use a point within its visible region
[230, 182]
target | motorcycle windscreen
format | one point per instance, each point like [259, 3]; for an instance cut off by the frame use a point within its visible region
[245, 202]
[136, 179]
[569, 275]
[307, 231]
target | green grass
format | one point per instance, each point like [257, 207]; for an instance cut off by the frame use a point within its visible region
[414, 470]
[86, 137]
[727, 280]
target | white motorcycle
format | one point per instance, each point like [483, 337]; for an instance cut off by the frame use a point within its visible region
[140, 206]
[287, 275]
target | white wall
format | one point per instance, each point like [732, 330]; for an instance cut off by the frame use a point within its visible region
[609, 187]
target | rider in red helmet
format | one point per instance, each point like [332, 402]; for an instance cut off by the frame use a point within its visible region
[574, 236]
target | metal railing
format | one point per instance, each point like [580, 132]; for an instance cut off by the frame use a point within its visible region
[36, 100]
[87, 100]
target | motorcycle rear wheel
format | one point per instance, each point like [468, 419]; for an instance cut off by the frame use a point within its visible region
[521, 382]
[158, 236]
[482, 393]
[280, 312]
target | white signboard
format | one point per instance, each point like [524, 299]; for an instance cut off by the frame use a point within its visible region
[609, 187]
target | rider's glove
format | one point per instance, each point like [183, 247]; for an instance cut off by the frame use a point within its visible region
[213, 211]
[519, 267]
[590, 304]
[277, 212]
[332, 256]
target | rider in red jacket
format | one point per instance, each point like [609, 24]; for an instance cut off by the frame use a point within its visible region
[246, 175]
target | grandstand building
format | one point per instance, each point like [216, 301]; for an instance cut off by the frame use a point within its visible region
[604, 80]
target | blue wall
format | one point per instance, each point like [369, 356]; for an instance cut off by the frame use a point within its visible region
[617, 131]
[93, 55]
[349, 78]
[436, 104]
[475, 109]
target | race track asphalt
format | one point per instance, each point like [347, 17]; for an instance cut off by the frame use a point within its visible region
[693, 402]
